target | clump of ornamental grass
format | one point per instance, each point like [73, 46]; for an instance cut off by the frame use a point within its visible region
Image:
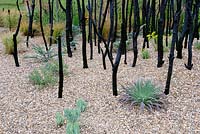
[145, 94]
[24, 28]
[58, 29]
[8, 43]
[10, 21]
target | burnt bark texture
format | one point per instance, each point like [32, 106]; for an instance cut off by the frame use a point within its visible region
[119, 51]
[30, 24]
[84, 54]
[61, 78]
[161, 24]
[90, 4]
[136, 30]
[174, 40]
[15, 54]
[68, 26]
[41, 26]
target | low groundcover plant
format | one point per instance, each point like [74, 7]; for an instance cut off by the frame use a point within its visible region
[145, 94]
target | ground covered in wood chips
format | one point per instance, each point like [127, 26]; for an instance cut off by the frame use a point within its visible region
[25, 109]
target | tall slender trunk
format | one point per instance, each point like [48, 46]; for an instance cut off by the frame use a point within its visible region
[99, 25]
[30, 25]
[136, 29]
[68, 26]
[84, 54]
[130, 17]
[119, 51]
[191, 33]
[15, 55]
[161, 23]
[174, 40]
[61, 78]
[90, 4]
[41, 25]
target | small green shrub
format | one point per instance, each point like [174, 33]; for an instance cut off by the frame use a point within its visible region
[41, 54]
[8, 43]
[145, 94]
[72, 116]
[42, 77]
[47, 75]
[197, 45]
[145, 54]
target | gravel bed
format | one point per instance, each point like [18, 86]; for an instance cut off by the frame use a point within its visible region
[25, 109]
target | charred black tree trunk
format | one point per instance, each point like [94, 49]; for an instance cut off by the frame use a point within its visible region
[130, 17]
[111, 33]
[41, 25]
[95, 20]
[146, 18]
[84, 54]
[90, 4]
[30, 25]
[186, 29]
[104, 16]
[115, 27]
[79, 13]
[168, 22]
[196, 29]
[119, 51]
[191, 33]
[136, 29]
[68, 26]
[62, 7]
[51, 21]
[99, 25]
[124, 49]
[61, 78]
[174, 40]
[161, 25]
[15, 55]
[153, 16]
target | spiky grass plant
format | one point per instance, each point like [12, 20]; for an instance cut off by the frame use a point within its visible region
[145, 94]
[41, 54]
[7, 40]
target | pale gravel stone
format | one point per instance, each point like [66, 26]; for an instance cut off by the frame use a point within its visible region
[25, 109]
